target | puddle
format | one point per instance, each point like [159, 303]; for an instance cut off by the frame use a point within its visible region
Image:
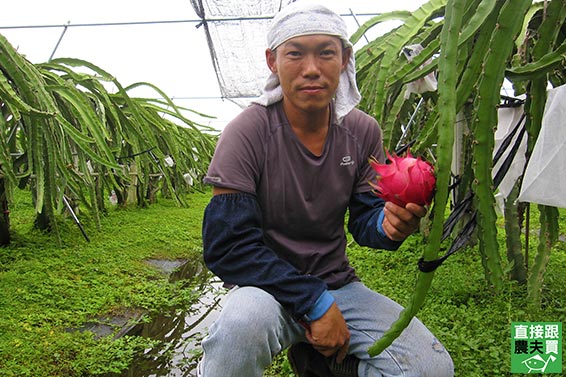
[180, 331]
[107, 325]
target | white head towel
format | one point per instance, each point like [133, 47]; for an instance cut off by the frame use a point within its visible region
[298, 19]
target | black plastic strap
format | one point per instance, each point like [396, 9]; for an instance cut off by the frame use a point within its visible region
[135, 154]
[430, 265]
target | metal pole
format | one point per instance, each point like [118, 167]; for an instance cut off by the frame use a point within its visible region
[357, 23]
[60, 39]
[75, 218]
[406, 129]
[65, 201]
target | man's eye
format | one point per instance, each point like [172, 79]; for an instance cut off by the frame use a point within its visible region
[328, 53]
[294, 53]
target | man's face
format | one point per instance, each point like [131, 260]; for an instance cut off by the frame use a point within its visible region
[309, 69]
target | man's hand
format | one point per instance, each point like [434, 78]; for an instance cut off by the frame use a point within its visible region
[329, 334]
[399, 223]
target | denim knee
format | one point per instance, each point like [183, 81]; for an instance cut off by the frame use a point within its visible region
[250, 312]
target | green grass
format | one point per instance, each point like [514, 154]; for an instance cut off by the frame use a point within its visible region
[461, 310]
[46, 290]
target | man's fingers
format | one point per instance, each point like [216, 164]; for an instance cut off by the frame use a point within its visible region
[329, 334]
[341, 354]
[326, 350]
[417, 210]
[399, 222]
[312, 340]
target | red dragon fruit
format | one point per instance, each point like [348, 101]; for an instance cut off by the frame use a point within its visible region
[404, 180]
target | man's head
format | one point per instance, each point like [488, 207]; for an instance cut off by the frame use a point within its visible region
[299, 19]
[309, 68]
[294, 30]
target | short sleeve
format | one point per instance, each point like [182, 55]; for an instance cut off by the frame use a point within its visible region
[239, 154]
[369, 136]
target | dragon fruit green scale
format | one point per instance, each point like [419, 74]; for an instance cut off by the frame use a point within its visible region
[404, 180]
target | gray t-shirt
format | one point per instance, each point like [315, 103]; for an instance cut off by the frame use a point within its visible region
[303, 197]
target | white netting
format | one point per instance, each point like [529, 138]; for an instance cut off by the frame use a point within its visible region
[235, 32]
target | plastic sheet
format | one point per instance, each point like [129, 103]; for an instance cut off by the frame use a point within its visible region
[425, 84]
[508, 119]
[544, 181]
[236, 34]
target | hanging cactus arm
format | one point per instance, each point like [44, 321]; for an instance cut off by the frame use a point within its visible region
[537, 95]
[28, 80]
[423, 63]
[446, 89]
[472, 70]
[376, 20]
[470, 29]
[14, 102]
[521, 38]
[367, 56]
[479, 16]
[548, 235]
[541, 67]
[508, 25]
[170, 108]
[101, 74]
[429, 132]
[549, 29]
[92, 139]
[535, 105]
[401, 37]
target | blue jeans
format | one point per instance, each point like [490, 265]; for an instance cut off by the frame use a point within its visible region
[253, 327]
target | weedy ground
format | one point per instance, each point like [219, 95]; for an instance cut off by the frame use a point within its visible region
[47, 290]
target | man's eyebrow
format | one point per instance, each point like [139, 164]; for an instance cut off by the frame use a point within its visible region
[294, 44]
[301, 45]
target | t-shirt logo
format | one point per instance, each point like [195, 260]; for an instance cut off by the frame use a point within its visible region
[347, 160]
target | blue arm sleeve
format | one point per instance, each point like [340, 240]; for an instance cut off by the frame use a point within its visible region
[235, 251]
[320, 307]
[365, 222]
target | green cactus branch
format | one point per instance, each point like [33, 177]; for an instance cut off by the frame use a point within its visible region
[447, 87]
[518, 40]
[71, 136]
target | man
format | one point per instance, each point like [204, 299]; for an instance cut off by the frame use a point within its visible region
[284, 174]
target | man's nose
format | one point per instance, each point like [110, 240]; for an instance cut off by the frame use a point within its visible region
[310, 66]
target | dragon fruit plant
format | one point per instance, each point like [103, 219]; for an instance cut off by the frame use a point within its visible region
[404, 180]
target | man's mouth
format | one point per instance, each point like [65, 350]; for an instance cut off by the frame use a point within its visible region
[311, 89]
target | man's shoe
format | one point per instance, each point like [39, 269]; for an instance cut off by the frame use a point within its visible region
[308, 362]
[347, 368]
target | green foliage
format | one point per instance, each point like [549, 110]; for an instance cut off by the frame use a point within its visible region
[485, 122]
[470, 320]
[117, 354]
[449, 45]
[280, 367]
[521, 41]
[70, 128]
[157, 296]
[47, 291]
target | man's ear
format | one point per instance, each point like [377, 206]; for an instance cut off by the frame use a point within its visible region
[270, 57]
[346, 53]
